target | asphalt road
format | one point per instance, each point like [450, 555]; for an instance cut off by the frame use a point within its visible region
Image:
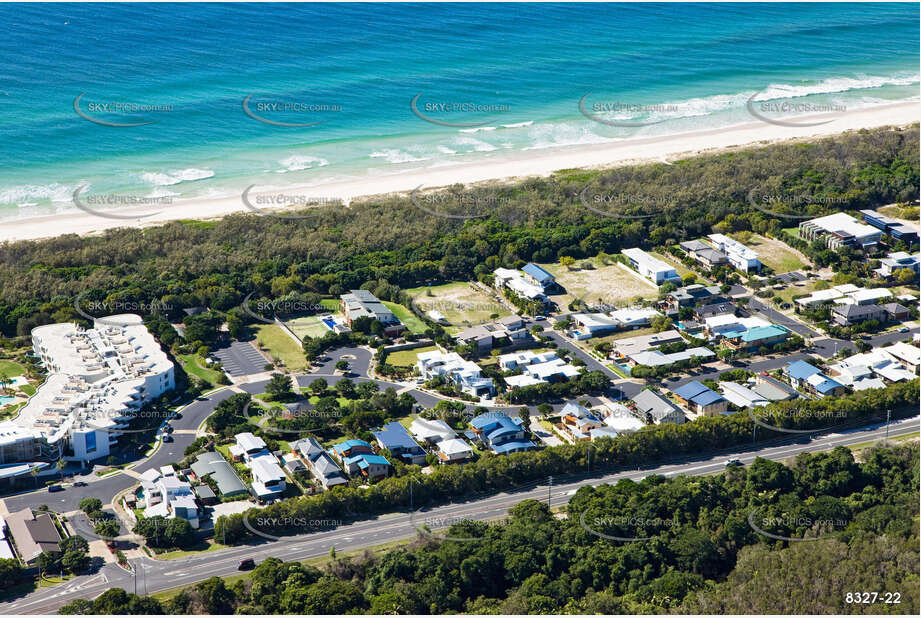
[156, 575]
[771, 314]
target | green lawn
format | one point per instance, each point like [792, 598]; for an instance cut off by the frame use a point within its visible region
[407, 358]
[307, 326]
[280, 345]
[191, 365]
[680, 268]
[331, 303]
[11, 369]
[407, 317]
[28, 389]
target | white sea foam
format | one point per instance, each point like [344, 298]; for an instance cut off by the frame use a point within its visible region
[165, 179]
[516, 125]
[446, 150]
[474, 144]
[477, 129]
[394, 155]
[22, 194]
[296, 163]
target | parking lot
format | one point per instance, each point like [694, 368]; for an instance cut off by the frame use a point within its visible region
[240, 358]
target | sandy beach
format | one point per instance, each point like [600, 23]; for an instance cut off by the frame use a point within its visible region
[514, 166]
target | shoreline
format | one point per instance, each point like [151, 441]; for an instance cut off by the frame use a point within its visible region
[522, 165]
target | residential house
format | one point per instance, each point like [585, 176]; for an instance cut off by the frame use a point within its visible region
[500, 433]
[536, 275]
[740, 256]
[623, 348]
[704, 253]
[168, 496]
[877, 363]
[848, 315]
[515, 281]
[742, 396]
[909, 355]
[894, 263]
[656, 358]
[657, 408]
[450, 366]
[33, 535]
[651, 268]
[700, 399]
[773, 390]
[621, 419]
[394, 437]
[754, 338]
[358, 458]
[702, 312]
[451, 450]
[212, 464]
[689, 296]
[809, 378]
[896, 312]
[536, 368]
[362, 303]
[319, 462]
[579, 421]
[487, 336]
[431, 431]
[269, 480]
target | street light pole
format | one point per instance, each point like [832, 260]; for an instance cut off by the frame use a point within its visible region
[549, 488]
[888, 415]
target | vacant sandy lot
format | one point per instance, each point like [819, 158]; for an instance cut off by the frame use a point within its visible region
[607, 283]
[460, 303]
[781, 257]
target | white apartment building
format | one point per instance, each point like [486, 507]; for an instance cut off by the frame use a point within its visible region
[739, 255]
[839, 230]
[450, 366]
[98, 379]
[653, 269]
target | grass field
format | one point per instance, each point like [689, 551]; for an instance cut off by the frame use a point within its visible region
[407, 358]
[773, 253]
[280, 345]
[609, 283]
[307, 326]
[11, 369]
[407, 317]
[462, 304]
[191, 365]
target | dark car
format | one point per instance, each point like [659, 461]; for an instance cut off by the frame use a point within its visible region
[80, 484]
[178, 415]
[167, 438]
[168, 429]
[55, 488]
[246, 564]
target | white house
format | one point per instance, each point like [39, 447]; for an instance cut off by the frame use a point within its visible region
[167, 496]
[453, 449]
[453, 368]
[431, 431]
[653, 269]
[739, 255]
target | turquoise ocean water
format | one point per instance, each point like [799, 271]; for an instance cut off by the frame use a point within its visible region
[329, 87]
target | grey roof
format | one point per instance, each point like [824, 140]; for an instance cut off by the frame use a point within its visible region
[694, 245]
[857, 311]
[713, 255]
[213, 464]
[204, 492]
[774, 390]
[648, 401]
[895, 308]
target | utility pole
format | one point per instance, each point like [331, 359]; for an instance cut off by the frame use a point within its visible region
[888, 415]
[549, 488]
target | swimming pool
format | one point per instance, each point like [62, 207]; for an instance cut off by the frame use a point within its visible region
[5, 400]
[330, 323]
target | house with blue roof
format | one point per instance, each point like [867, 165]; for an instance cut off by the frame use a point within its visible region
[500, 433]
[367, 465]
[394, 437]
[538, 276]
[753, 338]
[701, 400]
[349, 448]
[810, 379]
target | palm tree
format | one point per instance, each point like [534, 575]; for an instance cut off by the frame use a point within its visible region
[60, 465]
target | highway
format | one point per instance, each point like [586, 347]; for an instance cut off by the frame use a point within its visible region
[154, 575]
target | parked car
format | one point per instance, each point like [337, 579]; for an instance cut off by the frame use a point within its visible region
[178, 415]
[80, 484]
[55, 488]
[246, 564]
[539, 318]
[167, 438]
[168, 429]
[904, 329]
